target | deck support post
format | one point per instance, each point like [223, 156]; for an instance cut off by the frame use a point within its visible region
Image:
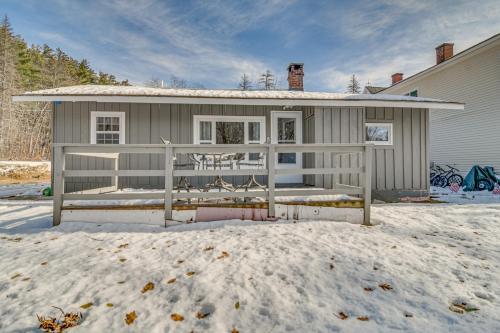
[169, 180]
[58, 190]
[271, 158]
[114, 179]
[367, 184]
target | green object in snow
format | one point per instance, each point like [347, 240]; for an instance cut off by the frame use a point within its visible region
[47, 192]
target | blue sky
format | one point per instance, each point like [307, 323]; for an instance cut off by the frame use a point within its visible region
[213, 42]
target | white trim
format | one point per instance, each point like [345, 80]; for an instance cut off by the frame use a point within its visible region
[95, 114]
[295, 178]
[237, 119]
[381, 143]
[241, 101]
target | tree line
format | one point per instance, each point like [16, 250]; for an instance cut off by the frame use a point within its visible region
[25, 128]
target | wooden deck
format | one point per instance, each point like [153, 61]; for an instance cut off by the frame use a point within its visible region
[178, 201]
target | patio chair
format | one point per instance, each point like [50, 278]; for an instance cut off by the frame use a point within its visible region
[255, 164]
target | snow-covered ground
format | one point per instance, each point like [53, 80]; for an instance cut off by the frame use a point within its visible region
[461, 197]
[256, 277]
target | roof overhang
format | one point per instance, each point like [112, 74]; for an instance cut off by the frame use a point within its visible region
[242, 101]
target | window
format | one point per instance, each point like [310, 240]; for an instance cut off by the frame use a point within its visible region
[107, 127]
[378, 133]
[230, 130]
[413, 93]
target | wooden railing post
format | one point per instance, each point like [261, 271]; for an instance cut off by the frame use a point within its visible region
[114, 179]
[368, 183]
[58, 190]
[271, 162]
[169, 180]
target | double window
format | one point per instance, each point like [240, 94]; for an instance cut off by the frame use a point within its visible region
[230, 130]
[107, 127]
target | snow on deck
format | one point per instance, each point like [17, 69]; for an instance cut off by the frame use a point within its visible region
[293, 277]
[107, 90]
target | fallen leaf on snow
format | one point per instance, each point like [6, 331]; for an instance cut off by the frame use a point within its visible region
[123, 246]
[26, 279]
[109, 305]
[123, 259]
[237, 305]
[171, 281]
[342, 315]
[149, 286]
[234, 330]
[362, 318]
[44, 263]
[209, 248]
[180, 261]
[385, 286]
[121, 282]
[224, 254]
[331, 266]
[190, 273]
[201, 315]
[130, 317]
[15, 276]
[176, 317]
[86, 305]
[51, 324]
[462, 307]
[368, 289]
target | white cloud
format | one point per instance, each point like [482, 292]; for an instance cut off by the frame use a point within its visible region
[402, 37]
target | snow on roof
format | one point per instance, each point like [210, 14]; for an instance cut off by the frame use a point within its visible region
[126, 93]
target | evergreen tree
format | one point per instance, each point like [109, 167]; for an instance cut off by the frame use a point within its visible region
[267, 81]
[245, 82]
[354, 87]
[85, 73]
[25, 130]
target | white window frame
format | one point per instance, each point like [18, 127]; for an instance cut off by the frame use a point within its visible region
[236, 119]
[380, 143]
[93, 120]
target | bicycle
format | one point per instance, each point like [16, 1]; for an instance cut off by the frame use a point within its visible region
[443, 178]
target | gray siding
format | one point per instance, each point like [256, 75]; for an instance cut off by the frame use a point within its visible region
[402, 166]
[144, 123]
[338, 125]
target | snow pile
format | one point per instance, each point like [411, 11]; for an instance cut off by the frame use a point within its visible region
[13, 172]
[411, 272]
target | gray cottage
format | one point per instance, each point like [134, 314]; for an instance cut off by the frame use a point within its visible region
[397, 126]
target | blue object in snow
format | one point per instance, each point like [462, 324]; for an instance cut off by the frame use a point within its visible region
[480, 179]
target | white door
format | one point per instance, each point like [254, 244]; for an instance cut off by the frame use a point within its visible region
[286, 128]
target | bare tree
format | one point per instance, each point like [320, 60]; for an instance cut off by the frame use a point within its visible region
[267, 81]
[353, 87]
[245, 82]
[154, 82]
[177, 82]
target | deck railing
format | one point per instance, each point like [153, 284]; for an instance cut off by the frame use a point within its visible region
[169, 151]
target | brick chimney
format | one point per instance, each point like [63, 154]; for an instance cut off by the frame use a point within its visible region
[396, 77]
[444, 52]
[296, 76]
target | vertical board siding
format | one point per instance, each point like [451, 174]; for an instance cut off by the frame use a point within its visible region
[401, 166]
[145, 123]
[337, 125]
[404, 165]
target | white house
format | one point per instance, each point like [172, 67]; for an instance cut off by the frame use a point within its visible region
[462, 138]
